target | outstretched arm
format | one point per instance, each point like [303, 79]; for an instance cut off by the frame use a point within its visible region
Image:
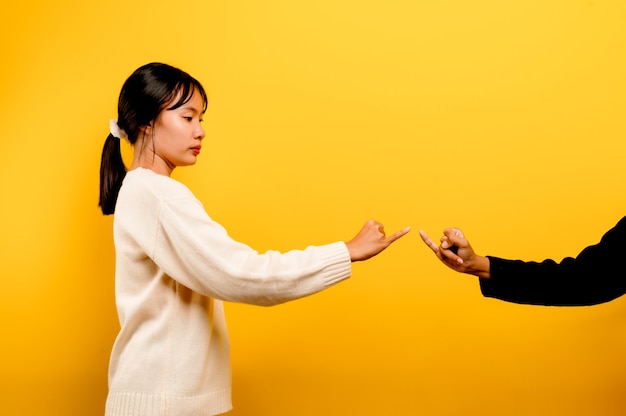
[457, 253]
[595, 276]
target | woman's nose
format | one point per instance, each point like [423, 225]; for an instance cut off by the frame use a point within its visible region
[200, 133]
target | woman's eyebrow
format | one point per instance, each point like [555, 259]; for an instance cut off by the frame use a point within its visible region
[190, 108]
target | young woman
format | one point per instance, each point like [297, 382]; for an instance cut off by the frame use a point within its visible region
[175, 265]
[595, 276]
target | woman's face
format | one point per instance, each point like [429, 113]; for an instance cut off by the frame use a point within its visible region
[176, 136]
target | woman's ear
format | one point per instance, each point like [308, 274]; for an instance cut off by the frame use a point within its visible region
[145, 129]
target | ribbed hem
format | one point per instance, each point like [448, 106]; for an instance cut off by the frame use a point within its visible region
[339, 264]
[125, 403]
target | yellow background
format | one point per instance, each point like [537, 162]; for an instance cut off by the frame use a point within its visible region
[503, 118]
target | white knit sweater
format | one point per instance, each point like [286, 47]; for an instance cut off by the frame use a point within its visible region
[174, 267]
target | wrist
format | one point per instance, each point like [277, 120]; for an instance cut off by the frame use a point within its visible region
[353, 252]
[480, 267]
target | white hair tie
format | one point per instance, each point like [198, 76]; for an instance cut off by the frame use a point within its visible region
[116, 131]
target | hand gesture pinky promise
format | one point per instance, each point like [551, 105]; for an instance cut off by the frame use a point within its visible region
[371, 240]
[456, 252]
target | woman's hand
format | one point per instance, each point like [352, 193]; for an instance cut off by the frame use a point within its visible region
[457, 253]
[371, 240]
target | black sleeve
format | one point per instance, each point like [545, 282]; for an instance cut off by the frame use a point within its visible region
[595, 276]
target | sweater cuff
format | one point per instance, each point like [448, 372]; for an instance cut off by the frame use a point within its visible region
[495, 270]
[338, 263]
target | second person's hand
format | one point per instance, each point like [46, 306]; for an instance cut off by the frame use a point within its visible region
[457, 253]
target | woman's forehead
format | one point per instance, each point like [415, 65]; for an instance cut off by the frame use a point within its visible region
[193, 100]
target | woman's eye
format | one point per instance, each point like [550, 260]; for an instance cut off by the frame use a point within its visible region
[188, 118]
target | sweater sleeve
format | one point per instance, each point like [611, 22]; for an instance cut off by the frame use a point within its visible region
[595, 276]
[197, 252]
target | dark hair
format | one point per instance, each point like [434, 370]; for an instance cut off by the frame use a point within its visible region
[144, 95]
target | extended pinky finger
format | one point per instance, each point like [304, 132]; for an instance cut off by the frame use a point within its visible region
[393, 237]
[430, 243]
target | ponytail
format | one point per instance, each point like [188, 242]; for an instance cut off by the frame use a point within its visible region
[112, 173]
